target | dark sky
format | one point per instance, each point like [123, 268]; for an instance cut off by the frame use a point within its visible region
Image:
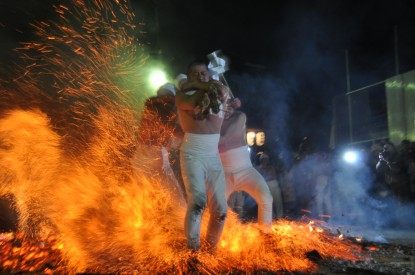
[287, 56]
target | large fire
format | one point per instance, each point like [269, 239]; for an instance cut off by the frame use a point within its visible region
[68, 134]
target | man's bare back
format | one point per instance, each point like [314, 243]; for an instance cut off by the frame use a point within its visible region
[233, 131]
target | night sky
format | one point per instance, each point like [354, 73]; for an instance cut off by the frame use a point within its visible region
[288, 57]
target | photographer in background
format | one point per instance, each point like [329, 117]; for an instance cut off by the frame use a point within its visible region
[390, 166]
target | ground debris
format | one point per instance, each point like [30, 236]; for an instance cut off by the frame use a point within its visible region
[381, 259]
[19, 254]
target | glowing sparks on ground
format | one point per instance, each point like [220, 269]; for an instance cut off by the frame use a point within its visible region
[18, 253]
[68, 136]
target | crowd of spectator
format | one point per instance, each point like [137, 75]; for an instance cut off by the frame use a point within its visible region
[318, 184]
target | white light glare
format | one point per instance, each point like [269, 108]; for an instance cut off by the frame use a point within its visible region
[350, 157]
[157, 78]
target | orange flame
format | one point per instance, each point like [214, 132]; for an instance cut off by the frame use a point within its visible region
[99, 218]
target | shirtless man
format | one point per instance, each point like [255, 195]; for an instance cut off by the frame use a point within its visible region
[201, 167]
[239, 172]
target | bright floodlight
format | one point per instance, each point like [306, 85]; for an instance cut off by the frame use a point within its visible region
[350, 157]
[157, 78]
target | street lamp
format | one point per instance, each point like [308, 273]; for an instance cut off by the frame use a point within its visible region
[351, 157]
[157, 78]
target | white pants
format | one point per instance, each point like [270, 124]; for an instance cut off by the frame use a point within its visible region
[242, 176]
[250, 181]
[322, 196]
[277, 208]
[204, 181]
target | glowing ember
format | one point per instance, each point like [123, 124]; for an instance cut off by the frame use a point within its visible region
[67, 142]
[19, 253]
[373, 248]
[242, 248]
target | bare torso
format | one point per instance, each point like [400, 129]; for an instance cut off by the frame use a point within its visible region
[233, 131]
[209, 125]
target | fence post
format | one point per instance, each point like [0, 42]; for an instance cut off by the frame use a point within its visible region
[349, 100]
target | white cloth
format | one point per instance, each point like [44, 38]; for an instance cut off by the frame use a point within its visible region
[201, 144]
[236, 159]
[167, 89]
[218, 67]
[250, 181]
[204, 181]
[242, 176]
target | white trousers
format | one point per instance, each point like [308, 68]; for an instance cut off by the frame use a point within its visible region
[322, 196]
[250, 181]
[274, 188]
[204, 181]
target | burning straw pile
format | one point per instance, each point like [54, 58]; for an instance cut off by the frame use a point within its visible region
[291, 247]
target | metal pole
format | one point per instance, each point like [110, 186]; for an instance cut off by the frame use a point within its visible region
[402, 83]
[347, 71]
[333, 130]
[349, 100]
